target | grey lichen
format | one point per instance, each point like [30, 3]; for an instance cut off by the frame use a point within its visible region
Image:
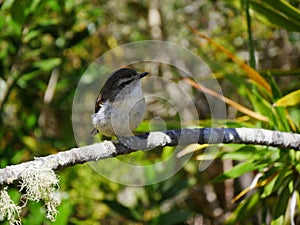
[40, 184]
[8, 209]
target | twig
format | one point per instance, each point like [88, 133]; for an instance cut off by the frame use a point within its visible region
[126, 145]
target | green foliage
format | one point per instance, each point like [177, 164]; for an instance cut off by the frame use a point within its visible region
[280, 13]
[158, 204]
[43, 41]
[276, 167]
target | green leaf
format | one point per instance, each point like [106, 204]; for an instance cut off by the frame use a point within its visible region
[244, 153]
[277, 117]
[275, 89]
[281, 206]
[244, 210]
[65, 211]
[47, 64]
[282, 179]
[18, 12]
[37, 216]
[31, 121]
[173, 217]
[275, 16]
[14, 29]
[260, 104]
[173, 186]
[7, 4]
[34, 5]
[291, 99]
[239, 170]
[280, 119]
[31, 35]
[285, 8]
[124, 211]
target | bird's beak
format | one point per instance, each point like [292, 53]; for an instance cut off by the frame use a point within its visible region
[143, 74]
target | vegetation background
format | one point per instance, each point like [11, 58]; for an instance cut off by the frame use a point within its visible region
[45, 47]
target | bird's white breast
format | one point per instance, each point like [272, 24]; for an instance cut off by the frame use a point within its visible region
[122, 115]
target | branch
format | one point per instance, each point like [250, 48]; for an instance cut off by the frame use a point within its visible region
[126, 145]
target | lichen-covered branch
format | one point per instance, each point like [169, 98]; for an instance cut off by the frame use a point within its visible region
[151, 140]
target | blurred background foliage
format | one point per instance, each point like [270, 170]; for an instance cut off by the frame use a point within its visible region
[45, 46]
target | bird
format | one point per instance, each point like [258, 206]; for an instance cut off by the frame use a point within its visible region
[120, 105]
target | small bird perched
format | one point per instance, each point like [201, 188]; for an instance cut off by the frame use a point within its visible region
[120, 106]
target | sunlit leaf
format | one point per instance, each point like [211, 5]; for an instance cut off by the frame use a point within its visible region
[275, 16]
[244, 153]
[281, 121]
[281, 180]
[291, 99]
[31, 142]
[228, 101]
[31, 34]
[31, 121]
[47, 64]
[7, 4]
[205, 156]
[285, 8]
[251, 73]
[244, 210]
[191, 148]
[34, 5]
[239, 170]
[261, 105]
[255, 184]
